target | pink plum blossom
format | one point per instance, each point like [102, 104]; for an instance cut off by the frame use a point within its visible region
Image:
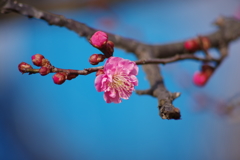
[118, 79]
[99, 39]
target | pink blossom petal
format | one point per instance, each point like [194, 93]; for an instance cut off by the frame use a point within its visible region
[109, 99]
[134, 71]
[113, 60]
[125, 94]
[111, 71]
[98, 82]
[134, 80]
[112, 93]
[130, 67]
[104, 83]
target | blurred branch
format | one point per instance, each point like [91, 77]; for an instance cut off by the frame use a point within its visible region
[229, 30]
[70, 5]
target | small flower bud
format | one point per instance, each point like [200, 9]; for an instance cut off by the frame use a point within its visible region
[108, 49]
[23, 66]
[93, 59]
[200, 78]
[44, 70]
[100, 71]
[45, 62]
[192, 45]
[71, 76]
[37, 59]
[59, 78]
[99, 39]
[110, 43]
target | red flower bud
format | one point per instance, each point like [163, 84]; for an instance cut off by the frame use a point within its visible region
[192, 45]
[200, 78]
[100, 71]
[44, 70]
[23, 66]
[59, 78]
[37, 59]
[108, 49]
[99, 39]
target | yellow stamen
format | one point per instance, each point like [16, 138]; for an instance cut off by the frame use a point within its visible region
[120, 83]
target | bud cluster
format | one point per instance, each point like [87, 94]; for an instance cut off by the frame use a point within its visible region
[40, 61]
[200, 78]
[46, 67]
[193, 45]
[100, 41]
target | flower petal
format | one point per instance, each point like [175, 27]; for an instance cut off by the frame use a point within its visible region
[109, 99]
[112, 93]
[98, 82]
[134, 80]
[134, 71]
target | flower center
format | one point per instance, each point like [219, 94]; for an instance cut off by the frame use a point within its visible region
[122, 85]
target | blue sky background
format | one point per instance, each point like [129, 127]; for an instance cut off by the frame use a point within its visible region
[40, 120]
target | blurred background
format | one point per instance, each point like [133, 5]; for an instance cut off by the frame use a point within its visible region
[43, 121]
